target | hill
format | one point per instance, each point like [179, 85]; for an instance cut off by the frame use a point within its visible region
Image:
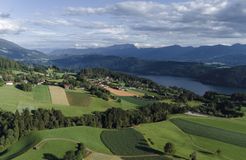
[207, 73]
[13, 51]
[216, 53]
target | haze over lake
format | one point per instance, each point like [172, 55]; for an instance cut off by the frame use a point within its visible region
[192, 85]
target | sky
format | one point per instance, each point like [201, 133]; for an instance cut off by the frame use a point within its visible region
[96, 23]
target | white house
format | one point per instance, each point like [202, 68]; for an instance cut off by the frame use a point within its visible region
[9, 83]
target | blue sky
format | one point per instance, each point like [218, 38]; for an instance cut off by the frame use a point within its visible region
[96, 23]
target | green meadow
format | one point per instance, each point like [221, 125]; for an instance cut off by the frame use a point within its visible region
[65, 138]
[81, 102]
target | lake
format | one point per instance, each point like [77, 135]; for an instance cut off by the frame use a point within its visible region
[192, 85]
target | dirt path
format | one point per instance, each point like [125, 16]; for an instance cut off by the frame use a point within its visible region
[44, 141]
[58, 95]
[195, 114]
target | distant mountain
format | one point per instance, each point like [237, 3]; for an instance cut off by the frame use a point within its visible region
[13, 51]
[217, 53]
[117, 50]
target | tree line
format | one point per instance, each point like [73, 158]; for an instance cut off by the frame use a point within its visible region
[18, 124]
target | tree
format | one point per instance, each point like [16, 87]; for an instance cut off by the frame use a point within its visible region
[27, 87]
[169, 148]
[1, 82]
[218, 151]
[193, 156]
[69, 155]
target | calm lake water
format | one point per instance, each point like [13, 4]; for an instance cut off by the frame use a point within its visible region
[192, 85]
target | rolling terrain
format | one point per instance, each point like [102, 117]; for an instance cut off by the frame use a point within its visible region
[206, 54]
[155, 135]
[13, 51]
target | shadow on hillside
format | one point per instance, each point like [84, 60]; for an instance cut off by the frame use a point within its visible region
[149, 150]
[3, 152]
[48, 156]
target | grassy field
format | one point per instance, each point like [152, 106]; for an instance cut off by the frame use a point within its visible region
[24, 148]
[206, 131]
[126, 142]
[78, 98]
[12, 99]
[163, 132]
[129, 144]
[137, 101]
[232, 124]
[41, 94]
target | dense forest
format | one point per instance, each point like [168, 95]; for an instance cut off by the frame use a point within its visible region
[9, 64]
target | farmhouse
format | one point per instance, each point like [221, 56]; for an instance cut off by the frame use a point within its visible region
[9, 83]
[40, 83]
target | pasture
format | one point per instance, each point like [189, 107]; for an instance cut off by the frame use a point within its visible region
[127, 142]
[206, 131]
[232, 124]
[78, 98]
[12, 99]
[65, 138]
[58, 95]
[163, 132]
[41, 94]
[137, 101]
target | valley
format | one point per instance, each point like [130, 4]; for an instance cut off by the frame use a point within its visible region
[96, 106]
[122, 80]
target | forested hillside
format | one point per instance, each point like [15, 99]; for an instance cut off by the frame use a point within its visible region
[206, 73]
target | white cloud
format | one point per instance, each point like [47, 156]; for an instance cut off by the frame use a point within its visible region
[10, 27]
[207, 16]
[88, 10]
[144, 23]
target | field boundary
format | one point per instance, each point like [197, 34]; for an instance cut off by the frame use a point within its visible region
[46, 140]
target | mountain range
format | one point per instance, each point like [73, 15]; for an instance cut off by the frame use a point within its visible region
[230, 55]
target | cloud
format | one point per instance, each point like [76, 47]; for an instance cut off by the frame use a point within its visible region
[204, 17]
[145, 23]
[88, 10]
[10, 27]
[4, 15]
[128, 8]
